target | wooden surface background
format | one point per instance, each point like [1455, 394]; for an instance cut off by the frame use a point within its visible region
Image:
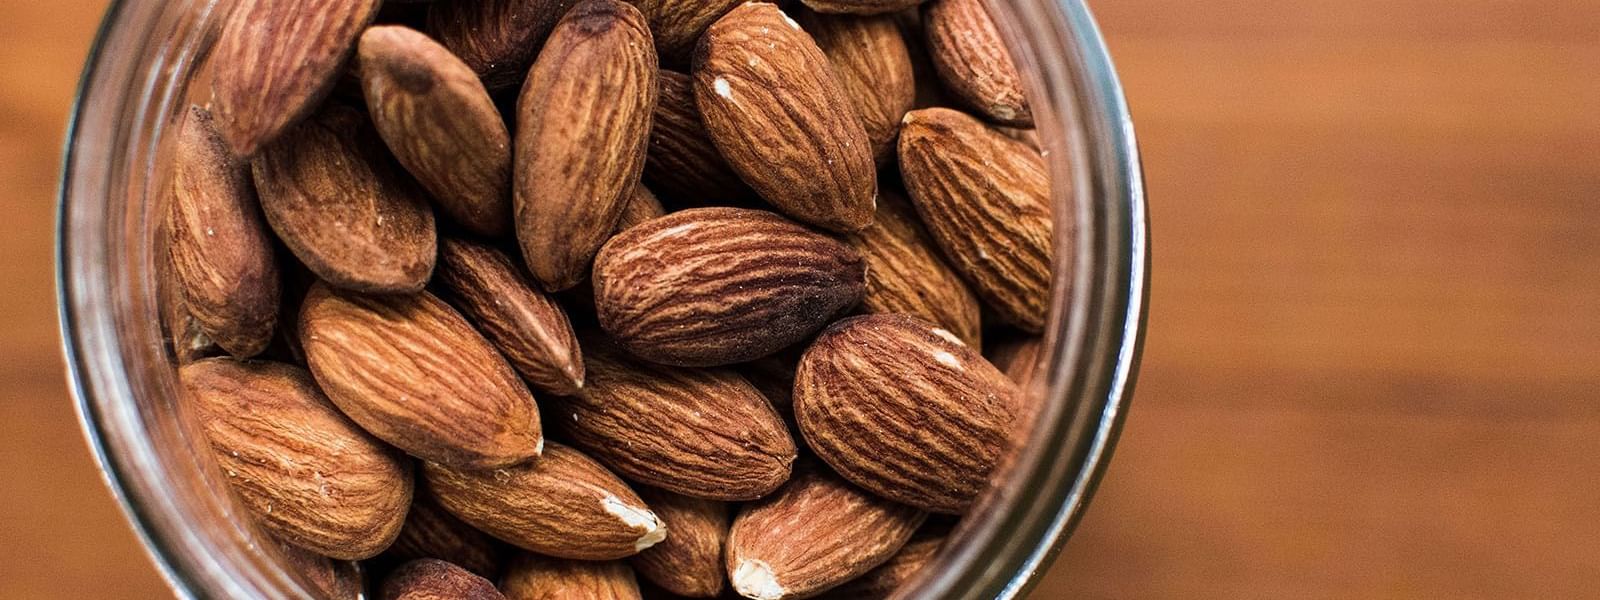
[1374, 338]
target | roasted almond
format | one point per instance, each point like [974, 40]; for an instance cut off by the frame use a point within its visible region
[534, 577]
[564, 505]
[905, 273]
[716, 286]
[677, 24]
[339, 203]
[438, 120]
[433, 579]
[881, 583]
[416, 374]
[872, 64]
[689, 562]
[782, 120]
[986, 201]
[309, 475]
[582, 131]
[860, 7]
[497, 39]
[904, 409]
[973, 61]
[683, 162]
[432, 532]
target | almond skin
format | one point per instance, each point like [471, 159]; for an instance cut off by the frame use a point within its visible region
[881, 583]
[432, 579]
[677, 24]
[683, 162]
[497, 39]
[438, 120]
[986, 201]
[564, 505]
[872, 64]
[972, 60]
[905, 273]
[717, 286]
[669, 427]
[340, 204]
[860, 7]
[904, 409]
[782, 120]
[689, 562]
[416, 374]
[534, 577]
[432, 532]
[309, 475]
[527, 325]
[275, 62]
[582, 131]
[815, 533]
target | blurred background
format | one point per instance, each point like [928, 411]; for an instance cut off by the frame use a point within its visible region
[1374, 332]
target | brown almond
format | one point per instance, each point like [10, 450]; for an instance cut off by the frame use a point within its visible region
[782, 120]
[773, 376]
[582, 131]
[1018, 358]
[904, 409]
[689, 562]
[905, 273]
[881, 583]
[438, 120]
[527, 325]
[683, 162]
[716, 286]
[323, 577]
[184, 334]
[433, 579]
[973, 62]
[534, 577]
[669, 427]
[872, 64]
[642, 206]
[815, 533]
[339, 203]
[310, 476]
[985, 199]
[497, 39]
[416, 374]
[860, 7]
[677, 24]
[432, 532]
[564, 505]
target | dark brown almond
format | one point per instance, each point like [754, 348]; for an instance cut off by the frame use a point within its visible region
[985, 199]
[339, 203]
[582, 131]
[677, 24]
[782, 120]
[498, 39]
[324, 578]
[564, 505]
[905, 273]
[527, 325]
[433, 579]
[276, 61]
[642, 206]
[860, 7]
[683, 162]
[872, 64]
[904, 409]
[815, 533]
[439, 122]
[716, 286]
[973, 62]
[669, 427]
[881, 583]
[432, 532]
[534, 577]
[1018, 358]
[416, 374]
[310, 476]
[689, 562]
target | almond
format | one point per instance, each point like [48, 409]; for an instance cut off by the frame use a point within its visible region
[1018, 358]
[677, 24]
[337, 201]
[872, 64]
[527, 325]
[881, 583]
[582, 131]
[986, 201]
[438, 120]
[973, 62]
[563, 505]
[683, 162]
[689, 562]
[716, 286]
[534, 577]
[325, 578]
[221, 255]
[416, 374]
[642, 206]
[308, 474]
[187, 339]
[432, 532]
[904, 409]
[773, 376]
[815, 533]
[432, 579]
[777, 113]
[497, 39]
[669, 427]
[905, 273]
[860, 7]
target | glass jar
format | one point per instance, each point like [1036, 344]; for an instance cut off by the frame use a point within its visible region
[136, 83]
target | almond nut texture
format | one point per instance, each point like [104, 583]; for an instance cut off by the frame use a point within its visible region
[497, 39]
[432, 579]
[689, 562]
[683, 162]
[872, 64]
[973, 61]
[860, 7]
[534, 577]
[432, 532]
[906, 274]
[677, 24]
[882, 582]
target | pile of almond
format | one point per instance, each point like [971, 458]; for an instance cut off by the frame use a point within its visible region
[600, 299]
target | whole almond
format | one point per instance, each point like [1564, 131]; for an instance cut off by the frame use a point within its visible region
[497, 39]
[583, 127]
[973, 61]
[669, 427]
[563, 505]
[860, 7]
[185, 336]
[677, 24]
[438, 120]
[432, 579]
[527, 325]
[905, 273]
[872, 64]
[534, 577]
[689, 562]
[432, 532]
[782, 120]
[683, 162]
[881, 583]
[815, 533]
[339, 203]
[716, 286]
[904, 409]
[275, 62]
[416, 374]
[986, 201]
[308, 474]
[323, 577]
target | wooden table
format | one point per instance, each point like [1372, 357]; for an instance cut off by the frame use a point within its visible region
[1374, 331]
